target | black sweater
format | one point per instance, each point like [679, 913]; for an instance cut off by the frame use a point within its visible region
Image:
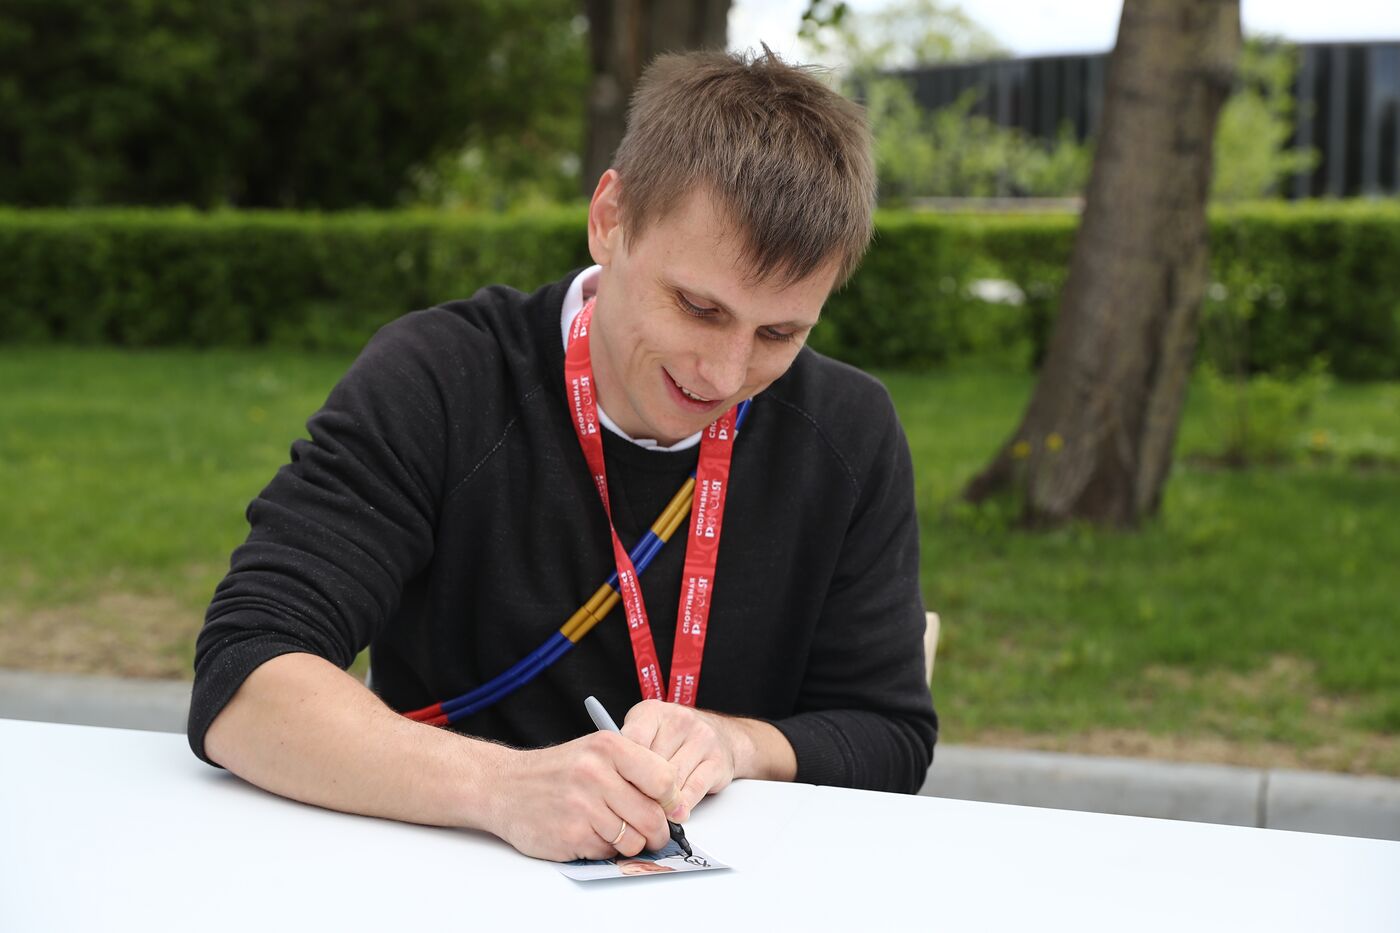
[442, 514]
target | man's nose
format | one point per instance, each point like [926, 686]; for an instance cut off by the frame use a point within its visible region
[724, 363]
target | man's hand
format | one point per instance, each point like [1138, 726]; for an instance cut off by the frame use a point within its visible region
[570, 801]
[708, 750]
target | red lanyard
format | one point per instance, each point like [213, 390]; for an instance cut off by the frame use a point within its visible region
[702, 548]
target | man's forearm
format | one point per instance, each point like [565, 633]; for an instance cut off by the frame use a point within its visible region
[302, 728]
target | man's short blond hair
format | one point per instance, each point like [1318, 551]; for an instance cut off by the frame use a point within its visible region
[787, 158]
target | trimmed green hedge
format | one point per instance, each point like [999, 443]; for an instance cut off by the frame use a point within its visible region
[150, 277]
[1313, 280]
[1292, 283]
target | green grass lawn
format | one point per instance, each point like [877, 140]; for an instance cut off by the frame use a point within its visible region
[1258, 620]
[1255, 621]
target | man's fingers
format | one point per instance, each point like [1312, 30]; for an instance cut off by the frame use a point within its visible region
[631, 842]
[666, 739]
[606, 828]
[702, 780]
[686, 761]
[647, 771]
[571, 800]
[700, 761]
[615, 835]
[643, 722]
[646, 823]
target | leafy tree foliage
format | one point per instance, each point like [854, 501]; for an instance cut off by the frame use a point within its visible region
[950, 152]
[900, 34]
[277, 103]
[955, 153]
[1252, 152]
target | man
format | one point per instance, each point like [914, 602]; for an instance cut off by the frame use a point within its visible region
[446, 514]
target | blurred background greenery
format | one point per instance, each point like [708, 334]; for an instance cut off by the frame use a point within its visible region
[324, 104]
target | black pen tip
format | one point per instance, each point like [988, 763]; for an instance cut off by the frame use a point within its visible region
[678, 837]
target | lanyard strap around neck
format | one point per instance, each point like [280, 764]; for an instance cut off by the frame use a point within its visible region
[702, 546]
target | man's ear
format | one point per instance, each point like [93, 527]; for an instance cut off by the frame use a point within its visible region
[605, 219]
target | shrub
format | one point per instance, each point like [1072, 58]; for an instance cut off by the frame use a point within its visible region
[1291, 283]
[1294, 282]
[1259, 419]
[145, 278]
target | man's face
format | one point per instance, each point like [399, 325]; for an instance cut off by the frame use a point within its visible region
[679, 335]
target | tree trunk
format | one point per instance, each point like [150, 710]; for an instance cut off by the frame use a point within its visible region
[1095, 442]
[625, 35]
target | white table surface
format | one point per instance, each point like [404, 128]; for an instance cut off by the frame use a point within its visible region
[109, 829]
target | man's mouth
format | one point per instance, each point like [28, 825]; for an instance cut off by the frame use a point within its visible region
[689, 394]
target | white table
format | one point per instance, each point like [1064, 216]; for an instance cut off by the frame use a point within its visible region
[107, 829]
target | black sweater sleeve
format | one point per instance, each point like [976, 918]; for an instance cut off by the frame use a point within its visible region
[866, 717]
[339, 528]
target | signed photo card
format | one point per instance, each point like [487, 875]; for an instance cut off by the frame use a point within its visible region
[663, 861]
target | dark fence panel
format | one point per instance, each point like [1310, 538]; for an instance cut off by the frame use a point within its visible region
[1347, 93]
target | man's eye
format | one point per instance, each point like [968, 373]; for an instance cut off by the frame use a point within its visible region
[693, 309]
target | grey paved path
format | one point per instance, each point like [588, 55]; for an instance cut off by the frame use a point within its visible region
[1276, 799]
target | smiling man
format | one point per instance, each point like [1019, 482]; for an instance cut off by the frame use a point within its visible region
[669, 374]
[485, 464]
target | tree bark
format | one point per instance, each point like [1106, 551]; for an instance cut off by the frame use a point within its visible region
[624, 36]
[1095, 442]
